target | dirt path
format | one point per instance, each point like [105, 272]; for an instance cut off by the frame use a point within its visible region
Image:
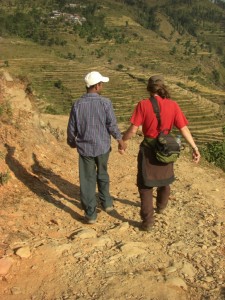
[48, 252]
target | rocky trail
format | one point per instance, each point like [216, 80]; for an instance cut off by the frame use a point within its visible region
[47, 252]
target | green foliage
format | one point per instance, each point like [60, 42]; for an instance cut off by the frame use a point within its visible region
[120, 67]
[51, 110]
[196, 70]
[182, 21]
[94, 29]
[189, 88]
[144, 65]
[121, 38]
[214, 152]
[223, 130]
[110, 59]
[99, 53]
[6, 110]
[4, 177]
[219, 50]
[31, 24]
[216, 76]
[2, 155]
[220, 3]
[1, 110]
[57, 132]
[69, 56]
[29, 89]
[145, 15]
[190, 15]
[6, 63]
[173, 50]
[59, 85]
[182, 85]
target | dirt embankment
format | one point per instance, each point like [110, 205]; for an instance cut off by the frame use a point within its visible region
[48, 252]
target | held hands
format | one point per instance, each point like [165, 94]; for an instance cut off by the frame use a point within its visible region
[121, 146]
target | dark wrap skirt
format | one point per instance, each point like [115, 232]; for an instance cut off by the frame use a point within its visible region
[151, 172]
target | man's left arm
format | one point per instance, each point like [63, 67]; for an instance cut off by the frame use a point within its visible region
[113, 128]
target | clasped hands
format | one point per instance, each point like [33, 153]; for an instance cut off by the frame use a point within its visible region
[121, 146]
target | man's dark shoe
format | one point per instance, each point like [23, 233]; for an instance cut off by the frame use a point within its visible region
[90, 221]
[109, 209]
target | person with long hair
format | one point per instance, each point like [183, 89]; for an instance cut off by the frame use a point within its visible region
[152, 173]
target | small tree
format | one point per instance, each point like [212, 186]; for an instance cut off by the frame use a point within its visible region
[173, 50]
[216, 76]
[58, 84]
[6, 63]
[120, 67]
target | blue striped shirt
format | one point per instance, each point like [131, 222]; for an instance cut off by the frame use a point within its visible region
[91, 123]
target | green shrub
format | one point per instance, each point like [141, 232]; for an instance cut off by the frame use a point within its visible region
[173, 51]
[6, 109]
[4, 177]
[51, 110]
[223, 130]
[182, 85]
[214, 152]
[2, 155]
[120, 67]
[1, 110]
[56, 132]
[196, 70]
[58, 84]
[29, 89]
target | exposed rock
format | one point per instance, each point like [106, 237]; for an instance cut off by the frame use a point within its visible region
[60, 249]
[177, 282]
[208, 279]
[5, 265]
[133, 249]
[23, 252]
[16, 290]
[100, 242]
[171, 269]
[188, 270]
[86, 233]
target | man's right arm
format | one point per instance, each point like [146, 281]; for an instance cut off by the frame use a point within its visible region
[71, 129]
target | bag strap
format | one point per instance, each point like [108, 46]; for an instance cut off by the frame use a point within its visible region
[156, 110]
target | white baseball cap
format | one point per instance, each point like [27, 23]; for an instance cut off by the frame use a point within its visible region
[94, 77]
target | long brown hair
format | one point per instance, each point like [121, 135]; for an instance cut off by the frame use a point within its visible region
[157, 87]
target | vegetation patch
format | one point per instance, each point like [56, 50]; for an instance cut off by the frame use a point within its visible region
[5, 111]
[4, 177]
[214, 152]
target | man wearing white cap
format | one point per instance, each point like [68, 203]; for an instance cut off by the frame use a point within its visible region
[91, 124]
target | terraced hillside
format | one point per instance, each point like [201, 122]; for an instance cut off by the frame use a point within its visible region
[56, 82]
[204, 121]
